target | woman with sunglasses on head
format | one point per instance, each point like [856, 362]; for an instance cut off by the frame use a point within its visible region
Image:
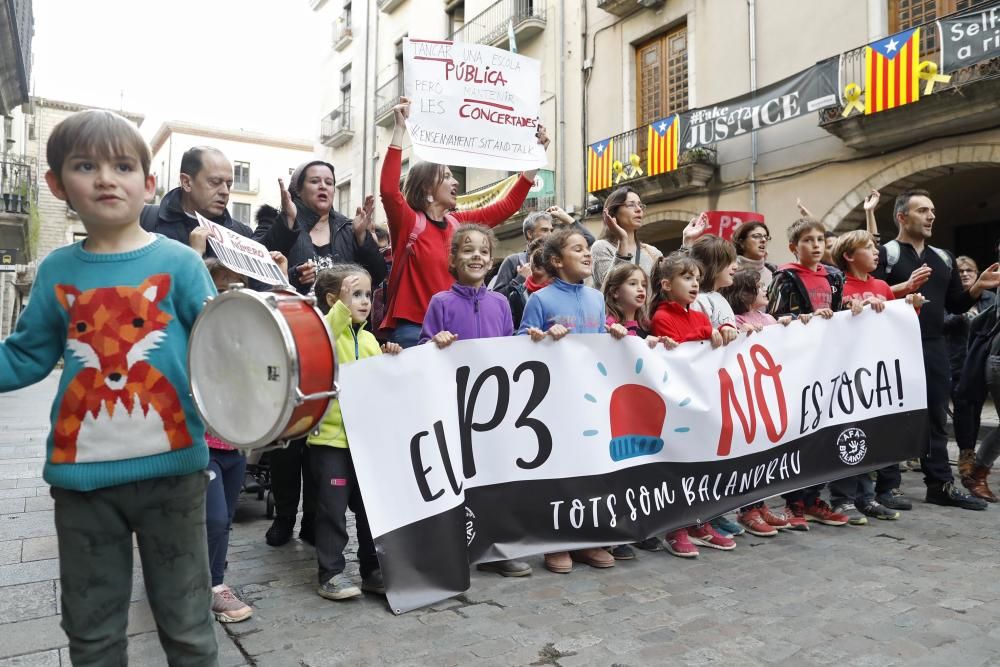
[619, 242]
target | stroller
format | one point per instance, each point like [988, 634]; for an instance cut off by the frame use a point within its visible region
[258, 477]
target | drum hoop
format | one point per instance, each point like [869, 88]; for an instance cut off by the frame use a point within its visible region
[292, 377]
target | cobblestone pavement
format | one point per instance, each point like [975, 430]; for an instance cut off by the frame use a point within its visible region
[924, 590]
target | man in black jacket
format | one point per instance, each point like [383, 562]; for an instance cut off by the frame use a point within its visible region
[910, 264]
[206, 179]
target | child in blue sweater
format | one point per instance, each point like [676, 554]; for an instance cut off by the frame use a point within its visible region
[126, 454]
[567, 306]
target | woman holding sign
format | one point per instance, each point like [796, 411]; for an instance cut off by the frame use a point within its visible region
[421, 223]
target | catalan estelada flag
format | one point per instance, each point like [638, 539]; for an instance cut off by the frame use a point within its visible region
[662, 146]
[891, 71]
[599, 159]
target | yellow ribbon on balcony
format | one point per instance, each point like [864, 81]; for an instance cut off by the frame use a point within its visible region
[928, 71]
[852, 92]
[616, 172]
[484, 196]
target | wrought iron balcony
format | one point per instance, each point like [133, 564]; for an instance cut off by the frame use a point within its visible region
[335, 129]
[490, 27]
[626, 7]
[965, 104]
[18, 194]
[695, 168]
[386, 97]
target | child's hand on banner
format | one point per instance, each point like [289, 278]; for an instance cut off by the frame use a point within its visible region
[443, 339]
[825, 313]
[716, 338]
[916, 300]
[805, 317]
[557, 331]
[537, 335]
[785, 320]
[392, 348]
[617, 331]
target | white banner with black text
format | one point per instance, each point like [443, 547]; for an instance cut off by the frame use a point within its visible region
[505, 448]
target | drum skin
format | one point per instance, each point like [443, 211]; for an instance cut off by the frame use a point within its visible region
[251, 356]
[316, 363]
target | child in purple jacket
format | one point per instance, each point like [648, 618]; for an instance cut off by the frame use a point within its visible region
[469, 310]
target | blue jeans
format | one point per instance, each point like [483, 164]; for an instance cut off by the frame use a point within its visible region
[406, 334]
[857, 489]
[225, 472]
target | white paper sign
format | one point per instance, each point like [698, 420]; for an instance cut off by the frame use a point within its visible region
[473, 105]
[242, 255]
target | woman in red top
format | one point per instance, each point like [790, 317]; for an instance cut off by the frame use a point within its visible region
[430, 191]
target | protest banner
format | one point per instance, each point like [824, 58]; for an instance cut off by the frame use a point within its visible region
[242, 255]
[970, 38]
[473, 105]
[724, 223]
[804, 92]
[504, 448]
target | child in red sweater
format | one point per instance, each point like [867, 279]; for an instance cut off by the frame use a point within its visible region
[675, 279]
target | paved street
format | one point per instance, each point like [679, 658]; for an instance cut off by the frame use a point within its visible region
[921, 591]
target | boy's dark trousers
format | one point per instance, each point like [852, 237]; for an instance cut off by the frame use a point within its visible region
[934, 453]
[856, 489]
[337, 490]
[290, 475]
[94, 530]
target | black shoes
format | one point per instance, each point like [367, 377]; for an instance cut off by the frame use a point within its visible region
[280, 531]
[894, 500]
[948, 495]
[307, 530]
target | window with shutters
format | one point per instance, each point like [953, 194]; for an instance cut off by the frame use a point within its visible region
[906, 14]
[662, 73]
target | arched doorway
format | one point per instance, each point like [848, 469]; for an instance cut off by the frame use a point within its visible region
[962, 181]
[663, 228]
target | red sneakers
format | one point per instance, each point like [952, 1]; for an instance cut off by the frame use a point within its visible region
[774, 520]
[795, 514]
[822, 513]
[707, 536]
[679, 544]
[756, 524]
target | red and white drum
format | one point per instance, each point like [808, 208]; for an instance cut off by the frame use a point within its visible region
[262, 366]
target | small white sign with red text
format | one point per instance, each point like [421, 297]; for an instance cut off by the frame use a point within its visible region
[473, 105]
[241, 254]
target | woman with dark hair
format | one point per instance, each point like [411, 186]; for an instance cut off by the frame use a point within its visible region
[421, 224]
[311, 234]
[619, 240]
[751, 240]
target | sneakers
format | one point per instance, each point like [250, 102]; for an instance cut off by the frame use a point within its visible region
[594, 557]
[650, 544]
[949, 496]
[339, 587]
[374, 583]
[307, 529]
[894, 500]
[679, 544]
[280, 531]
[778, 521]
[726, 526]
[755, 523]
[622, 552]
[560, 562]
[795, 514]
[822, 513]
[228, 608]
[854, 517]
[877, 510]
[506, 568]
[706, 536]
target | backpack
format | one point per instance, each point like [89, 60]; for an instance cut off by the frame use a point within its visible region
[387, 293]
[892, 255]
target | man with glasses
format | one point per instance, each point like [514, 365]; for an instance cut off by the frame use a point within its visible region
[910, 265]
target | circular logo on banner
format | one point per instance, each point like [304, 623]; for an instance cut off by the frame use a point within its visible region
[470, 527]
[851, 445]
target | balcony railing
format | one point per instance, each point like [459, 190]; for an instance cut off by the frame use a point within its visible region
[247, 186]
[386, 97]
[966, 103]
[335, 129]
[17, 188]
[630, 149]
[342, 31]
[491, 26]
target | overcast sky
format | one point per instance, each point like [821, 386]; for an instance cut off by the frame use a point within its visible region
[251, 64]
